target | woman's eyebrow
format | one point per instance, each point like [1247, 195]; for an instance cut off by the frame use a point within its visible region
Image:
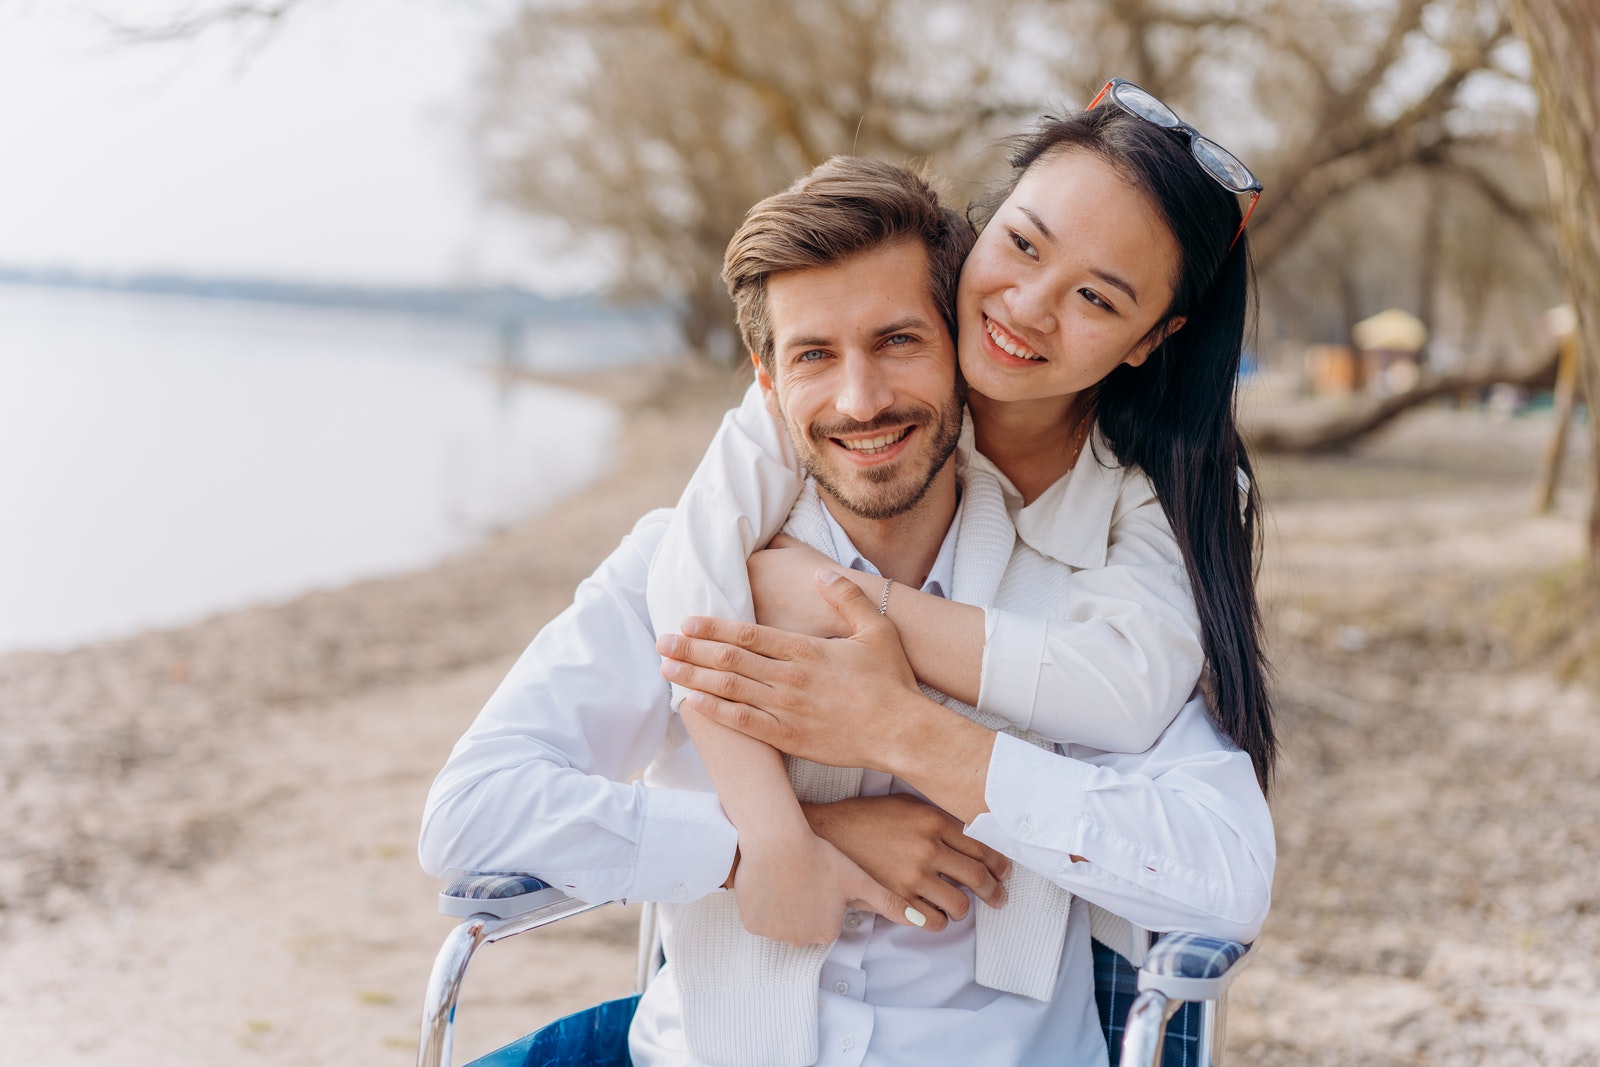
[1116, 281]
[1038, 223]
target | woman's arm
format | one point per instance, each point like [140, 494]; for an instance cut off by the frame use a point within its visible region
[736, 499]
[791, 887]
[1175, 837]
[1111, 672]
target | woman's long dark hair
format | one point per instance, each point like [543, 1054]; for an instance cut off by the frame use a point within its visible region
[1173, 416]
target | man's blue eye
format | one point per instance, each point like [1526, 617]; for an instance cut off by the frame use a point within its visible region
[809, 357]
[901, 339]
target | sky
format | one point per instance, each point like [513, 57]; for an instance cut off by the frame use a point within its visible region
[333, 150]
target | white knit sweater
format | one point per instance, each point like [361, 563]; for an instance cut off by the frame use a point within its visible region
[749, 1000]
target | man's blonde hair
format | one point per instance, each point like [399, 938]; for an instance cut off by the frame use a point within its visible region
[846, 206]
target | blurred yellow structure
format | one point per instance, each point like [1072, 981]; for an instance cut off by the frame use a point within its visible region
[1391, 344]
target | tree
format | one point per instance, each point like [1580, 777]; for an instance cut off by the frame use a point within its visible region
[649, 126]
[1563, 40]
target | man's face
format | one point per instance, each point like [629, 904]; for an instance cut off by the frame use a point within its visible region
[864, 377]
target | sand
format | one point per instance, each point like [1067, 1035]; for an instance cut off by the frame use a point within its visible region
[209, 849]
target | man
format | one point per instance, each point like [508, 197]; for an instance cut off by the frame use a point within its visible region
[864, 375]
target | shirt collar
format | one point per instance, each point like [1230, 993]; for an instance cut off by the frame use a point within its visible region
[1069, 522]
[941, 577]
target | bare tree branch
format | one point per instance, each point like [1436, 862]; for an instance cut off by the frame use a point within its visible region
[267, 13]
[1346, 430]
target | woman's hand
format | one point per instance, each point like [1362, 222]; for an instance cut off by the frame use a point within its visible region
[847, 702]
[795, 889]
[916, 850]
[784, 586]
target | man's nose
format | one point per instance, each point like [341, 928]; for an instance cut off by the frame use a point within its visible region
[865, 392]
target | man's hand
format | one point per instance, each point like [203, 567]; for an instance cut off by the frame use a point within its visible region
[795, 889]
[916, 850]
[846, 702]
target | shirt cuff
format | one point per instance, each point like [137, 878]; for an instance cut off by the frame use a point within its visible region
[686, 847]
[1035, 799]
[1013, 649]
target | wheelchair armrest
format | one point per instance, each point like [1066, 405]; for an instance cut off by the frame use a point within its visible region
[504, 896]
[1192, 966]
[491, 907]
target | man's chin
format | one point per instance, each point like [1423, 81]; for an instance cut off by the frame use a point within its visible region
[866, 496]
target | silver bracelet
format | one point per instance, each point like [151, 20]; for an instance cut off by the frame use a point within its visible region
[883, 605]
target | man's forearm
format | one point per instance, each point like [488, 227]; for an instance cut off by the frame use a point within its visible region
[943, 754]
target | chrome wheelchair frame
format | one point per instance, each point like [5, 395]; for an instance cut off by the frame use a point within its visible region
[1179, 969]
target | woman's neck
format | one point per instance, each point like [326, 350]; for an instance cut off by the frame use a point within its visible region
[1033, 442]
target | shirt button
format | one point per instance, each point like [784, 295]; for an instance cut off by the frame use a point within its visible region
[847, 1042]
[841, 988]
[678, 892]
[852, 920]
[1025, 827]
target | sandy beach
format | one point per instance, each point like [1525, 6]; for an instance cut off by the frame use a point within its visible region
[208, 854]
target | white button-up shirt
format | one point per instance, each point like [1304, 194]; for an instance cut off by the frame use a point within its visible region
[1176, 838]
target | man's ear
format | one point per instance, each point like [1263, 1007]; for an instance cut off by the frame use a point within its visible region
[1151, 343]
[764, 380]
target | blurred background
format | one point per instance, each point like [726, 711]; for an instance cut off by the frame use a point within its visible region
[340, 338]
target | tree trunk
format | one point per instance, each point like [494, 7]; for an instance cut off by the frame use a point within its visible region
[1563, 39]
[1346, 430]
[1555, 451]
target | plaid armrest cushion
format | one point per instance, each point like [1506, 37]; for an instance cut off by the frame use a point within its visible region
[1193, 956]
[501, 895]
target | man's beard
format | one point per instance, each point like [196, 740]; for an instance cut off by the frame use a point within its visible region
[889, 491]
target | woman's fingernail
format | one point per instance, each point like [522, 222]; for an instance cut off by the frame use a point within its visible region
[915, 917]
[828, 577]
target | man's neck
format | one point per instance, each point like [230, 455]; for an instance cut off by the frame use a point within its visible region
[903, 548]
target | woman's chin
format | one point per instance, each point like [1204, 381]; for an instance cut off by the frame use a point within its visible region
[984, 384]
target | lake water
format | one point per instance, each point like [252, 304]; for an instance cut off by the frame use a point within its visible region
[165, 458]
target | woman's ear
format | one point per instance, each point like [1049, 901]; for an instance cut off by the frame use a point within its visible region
[1154, 339]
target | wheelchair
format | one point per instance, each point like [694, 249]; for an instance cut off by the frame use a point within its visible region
[1170, 1011]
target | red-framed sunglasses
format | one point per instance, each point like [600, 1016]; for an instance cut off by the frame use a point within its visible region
[1217, 161]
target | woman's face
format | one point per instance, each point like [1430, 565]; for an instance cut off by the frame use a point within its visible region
[1065, 283]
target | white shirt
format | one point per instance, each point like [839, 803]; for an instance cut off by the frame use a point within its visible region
[1178, 838]
[1111, 672]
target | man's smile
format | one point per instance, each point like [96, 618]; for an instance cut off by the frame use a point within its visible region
[874, 446]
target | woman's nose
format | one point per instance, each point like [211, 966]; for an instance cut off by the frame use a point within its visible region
[1033, 305]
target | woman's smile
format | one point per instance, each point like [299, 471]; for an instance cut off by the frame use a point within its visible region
[1009, 343]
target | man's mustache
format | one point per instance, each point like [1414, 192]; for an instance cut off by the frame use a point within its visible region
[892, 419]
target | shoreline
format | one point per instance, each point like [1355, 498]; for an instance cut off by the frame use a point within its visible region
[81, 723]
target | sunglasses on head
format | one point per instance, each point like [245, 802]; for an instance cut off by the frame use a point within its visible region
[1215, 160]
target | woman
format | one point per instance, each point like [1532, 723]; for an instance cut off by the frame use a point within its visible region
[1101, 393]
